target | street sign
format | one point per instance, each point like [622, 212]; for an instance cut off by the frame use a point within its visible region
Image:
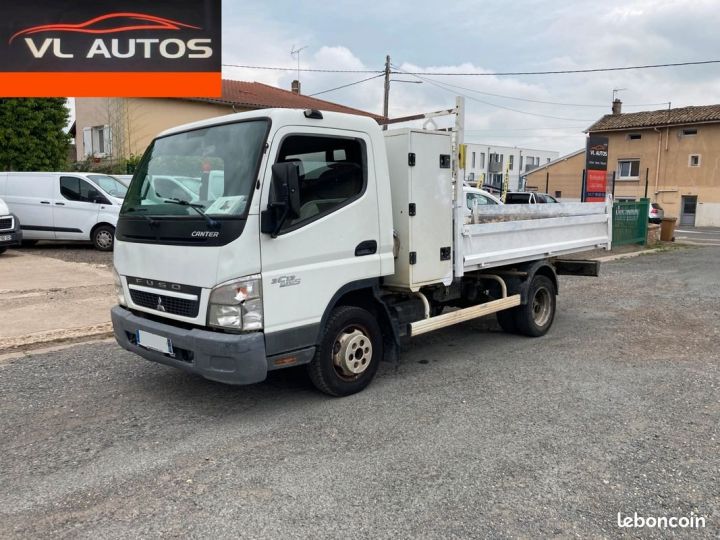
[596, 158]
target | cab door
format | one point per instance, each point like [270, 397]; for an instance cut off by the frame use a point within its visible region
[334, 241]
[75, 208]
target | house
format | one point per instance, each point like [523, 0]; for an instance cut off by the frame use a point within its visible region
[485, 165]
[115, 128]
[561, 177]
[670, 154]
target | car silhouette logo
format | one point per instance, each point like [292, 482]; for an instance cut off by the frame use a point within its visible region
[119, 22]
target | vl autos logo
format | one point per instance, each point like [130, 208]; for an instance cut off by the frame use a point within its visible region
[117, 23]
[110, 48]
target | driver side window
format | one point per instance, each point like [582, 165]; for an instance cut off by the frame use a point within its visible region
[76, 189]
[332, 173]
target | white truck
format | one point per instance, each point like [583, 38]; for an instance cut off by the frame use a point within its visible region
[316, 238]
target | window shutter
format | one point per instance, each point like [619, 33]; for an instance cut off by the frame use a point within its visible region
[107, 137]
[87, 142]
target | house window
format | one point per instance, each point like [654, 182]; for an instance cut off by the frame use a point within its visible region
[521, 162]
[511, 162]
[689, 132]
[558, 194]
[694, 160]
[634, 136]
[97, 141]
[482, 160]
[548, 160]
[628, 169]
[473, 160]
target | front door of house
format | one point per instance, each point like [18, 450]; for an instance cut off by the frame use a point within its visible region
[687, 211]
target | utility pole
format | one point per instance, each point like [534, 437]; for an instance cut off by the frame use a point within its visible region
[386, 99]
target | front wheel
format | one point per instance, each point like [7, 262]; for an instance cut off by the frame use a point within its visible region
[349, 352]
[535, 318]
[2, 250]
[103, 238]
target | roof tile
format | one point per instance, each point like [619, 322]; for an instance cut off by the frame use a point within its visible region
[255, 95]
[663, 117]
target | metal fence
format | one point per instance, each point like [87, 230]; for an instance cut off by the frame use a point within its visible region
[630, 222]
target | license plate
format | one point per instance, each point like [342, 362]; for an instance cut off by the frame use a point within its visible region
[154, 342]
[5, 238]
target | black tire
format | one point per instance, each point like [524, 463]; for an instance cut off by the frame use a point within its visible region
[535, 318]
[103, 238]
[29, 243]
[349, 354]
[506, 320]
[2, 250]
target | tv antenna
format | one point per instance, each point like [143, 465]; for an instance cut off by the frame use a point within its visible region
[296, 52]
[616, 90]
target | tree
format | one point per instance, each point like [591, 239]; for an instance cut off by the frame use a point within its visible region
[33, 134]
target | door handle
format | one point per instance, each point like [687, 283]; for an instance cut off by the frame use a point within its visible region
[60, 203]
[367, 247]
[44, 202]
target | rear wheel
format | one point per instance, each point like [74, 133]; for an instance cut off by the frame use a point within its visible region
[349, 352]
[104, 237]
[536, 317]
[506, 320]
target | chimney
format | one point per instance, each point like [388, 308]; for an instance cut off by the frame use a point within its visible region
[295, 87]
[616, 106]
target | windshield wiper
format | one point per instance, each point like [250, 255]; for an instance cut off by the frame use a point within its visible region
[213, 224]
[153, 222]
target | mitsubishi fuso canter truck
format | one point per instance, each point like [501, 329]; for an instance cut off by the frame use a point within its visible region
[279, 237]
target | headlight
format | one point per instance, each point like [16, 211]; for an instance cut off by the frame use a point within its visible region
[119, 292]
[237, 305]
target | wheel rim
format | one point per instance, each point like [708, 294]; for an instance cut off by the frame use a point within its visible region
[542, 306]
[352, 352]
[104, 239]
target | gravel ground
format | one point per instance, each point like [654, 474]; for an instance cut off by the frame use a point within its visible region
[474, 434]
[82, 252]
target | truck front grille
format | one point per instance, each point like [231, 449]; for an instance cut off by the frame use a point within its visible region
[6, 223]
[165, 304]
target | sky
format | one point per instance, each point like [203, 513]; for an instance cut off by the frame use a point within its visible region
[486, 37]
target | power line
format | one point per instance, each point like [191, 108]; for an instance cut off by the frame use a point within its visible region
[567, 71]
[485, 74]
[442, 86]
[311, 70]
[598, 106]
[566, 128]
[346, 85]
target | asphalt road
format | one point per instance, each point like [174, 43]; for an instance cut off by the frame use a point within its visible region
[709, 236]
[475, 433]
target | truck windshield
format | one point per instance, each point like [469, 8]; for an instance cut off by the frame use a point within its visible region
[213, 169]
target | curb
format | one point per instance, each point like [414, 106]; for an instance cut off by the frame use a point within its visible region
[55, 337]
[609, 258]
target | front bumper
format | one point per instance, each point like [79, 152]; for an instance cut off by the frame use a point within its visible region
[227, 358]
[15, 235]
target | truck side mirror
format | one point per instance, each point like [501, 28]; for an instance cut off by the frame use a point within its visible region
[284, 198]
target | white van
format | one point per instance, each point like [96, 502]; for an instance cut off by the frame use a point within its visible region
[64, 206]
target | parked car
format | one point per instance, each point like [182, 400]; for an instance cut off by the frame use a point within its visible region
[477, 197]
[10, 233]
[109, 184]
[62, 206]
[528, 197]
[656, 213]
[124, 179]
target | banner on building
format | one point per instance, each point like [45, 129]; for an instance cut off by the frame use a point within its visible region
[111, 48]
[596, 159]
